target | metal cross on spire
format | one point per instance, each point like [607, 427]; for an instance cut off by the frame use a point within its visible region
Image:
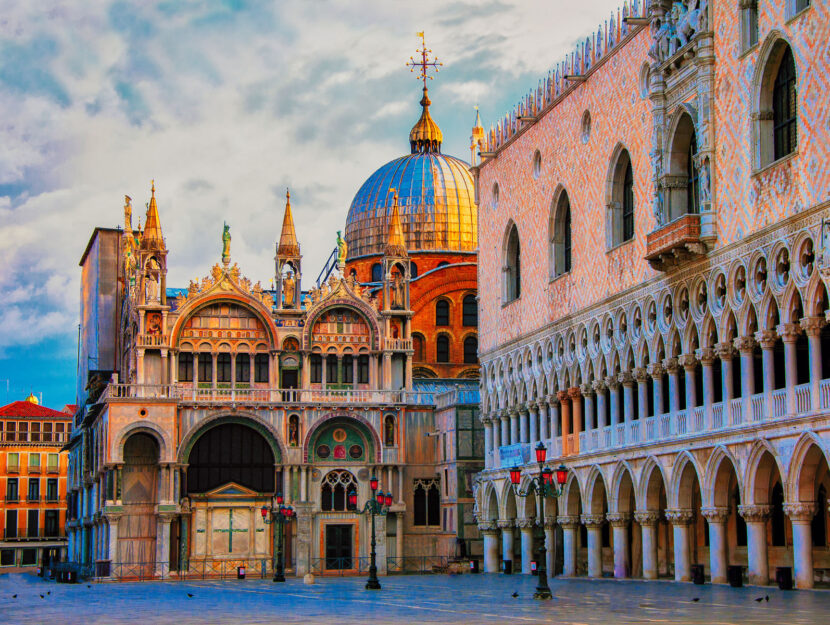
[425, 63]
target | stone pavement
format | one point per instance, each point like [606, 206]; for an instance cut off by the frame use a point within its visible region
[424, 600]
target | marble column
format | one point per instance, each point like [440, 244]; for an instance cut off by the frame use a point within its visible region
[514, 427]
[706, 356]
[789, 334]
[627, 380]
[163, 544]
[689, 363]
[565, 418]
[524, 434]
[622, 562]
[756, 517]
[576, 416]
[725, 351]
[495, 428]
[544, 433]
[590, 418]
[526, 529]
[112, 554]
[594, 524]
[671, 367]
[488, 441]
[553, 413]
[570, 525]
[745, 345]
[681, 520]
[767, 339]
[613, 387]
[602, 397]
[533, 410]
[801, 516]
[655, 370]
[491, 547]
[718, 556]
[506, 527]
[399, 527]
[505, 428]
[550, 544]
[812, 328]
[641, 376]
[648, 520]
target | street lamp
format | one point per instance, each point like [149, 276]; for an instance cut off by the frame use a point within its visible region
[543, 486]
[279, 515]
[378, 504]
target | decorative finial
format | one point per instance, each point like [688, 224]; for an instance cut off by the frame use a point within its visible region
[287, 195]
[425, 135]
[425, 63]
[153, 187]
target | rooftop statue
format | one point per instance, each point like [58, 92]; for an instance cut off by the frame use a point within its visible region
[226, 244]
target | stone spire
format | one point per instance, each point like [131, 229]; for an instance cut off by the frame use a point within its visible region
[288, 245]
[152, 237]
[395, 244]
[476, 139]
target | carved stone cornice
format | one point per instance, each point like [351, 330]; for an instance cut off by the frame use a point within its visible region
[618, 519]
[744, 344]
[647, 517]
[706, 355]
[812, 325]
[766, 338]
[725, 351]
[568, 521]
[671, 365]
[755, 513]
[505, 524]
[788, 332]
[593, 520]
[680, 516]
[715, 514]
[800, 511]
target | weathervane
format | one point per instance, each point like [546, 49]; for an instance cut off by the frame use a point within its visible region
[425, 63]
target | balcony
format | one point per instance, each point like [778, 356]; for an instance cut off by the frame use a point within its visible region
[34, 468]
[675, 242]
[398, 344]
[188, 394]
[13, 468]
[152, 340]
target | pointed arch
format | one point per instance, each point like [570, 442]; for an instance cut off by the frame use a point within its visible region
[761, 463]
[807, 455]
[653, 483]
[560, 233]
[684, 474]
[716, 489]
[623, 488]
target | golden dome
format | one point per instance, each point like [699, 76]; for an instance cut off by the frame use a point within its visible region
[32, 399]
[425, 135]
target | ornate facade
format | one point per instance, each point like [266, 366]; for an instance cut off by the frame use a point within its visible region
[657, 213]
[219, 396]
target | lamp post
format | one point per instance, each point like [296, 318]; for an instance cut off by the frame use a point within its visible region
[280, 515]
[377, 505]
[543, 486]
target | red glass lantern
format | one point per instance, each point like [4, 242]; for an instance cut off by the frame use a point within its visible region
[380, 497]
[547, 476]
[515, 476]
[279, 499]
[352, 499]
[373, 483]
[264, 512]
[541, 453]
[561, 475]
[388, 499]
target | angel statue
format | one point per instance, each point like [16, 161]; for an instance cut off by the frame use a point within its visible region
[342, 250]
[226, 244]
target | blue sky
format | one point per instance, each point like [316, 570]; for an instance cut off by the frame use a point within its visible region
[224, 103]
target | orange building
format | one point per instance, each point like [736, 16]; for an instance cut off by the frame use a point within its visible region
[436, 198]
[33, 481]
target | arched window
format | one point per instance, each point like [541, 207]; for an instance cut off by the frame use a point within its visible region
[185, 367]
[348, 369]
[784, 107]
[389, 431]
[418, 347]
[442, 348]
[512, 266]
[205, 368]
[243, 368]
[693, 177]
[427, 503]
[470, 311]
[560, 236]
[377, 273]
[471, 350]
[336, 486]
[315, 362]
[684, 197]
[442, 313]
[628, 204]
[223, 367]
[413, 270]
[620, 218]
[362, 369]
[749, 23]
[261, 368]
[331, 369]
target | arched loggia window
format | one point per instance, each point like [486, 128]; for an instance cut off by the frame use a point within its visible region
[512, 266]
[560, 236]
[784, 110]
[775, 105]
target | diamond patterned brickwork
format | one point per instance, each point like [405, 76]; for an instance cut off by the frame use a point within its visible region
[744, 200]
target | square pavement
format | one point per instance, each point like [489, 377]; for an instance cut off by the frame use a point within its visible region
[404, 599]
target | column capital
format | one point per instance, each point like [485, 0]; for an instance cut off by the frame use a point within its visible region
[640, 374]
[569, 521]
[788, 332]
[562, 396]
[671, 365]
[533, 406]
[618, 519]
[744, 344]
[598, 386]
[586, 389]
[802, 511]
[487, 527]
[611, 382]
[680, 516]
[812, 325]
[574, 393]
[687, 361]
[755, 513]
[715, 514]
[725, 350]
[486, 419]
[552, 399]
[655, 370]
[593, 520]
[550, 521]
[525, 524]
[766, 338]
[505, 524]
[514, 413]
[647, 517]
[706, 355]
[625, 378]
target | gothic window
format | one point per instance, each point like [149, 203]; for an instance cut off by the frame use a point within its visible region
[628, 204]
[470, 311]
[684, 190]
[243, 368]
[512, 266]
[223, 367]
[377, 273]
[348, 369]
[418, 347]
[185, 367]
[799, 5]
[205, 368]
[620, 224]
[560, 236]
[334, 490]
[362, 369]
[442, 313]
[261, 368]
[427, 503]
[784, 109]
[693, 177]
[389, 431]
[749, 23]
[442, 348]
[315, 362]
[331, 369]
[471, 350]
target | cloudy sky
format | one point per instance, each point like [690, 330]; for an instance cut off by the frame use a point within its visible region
[224, 103]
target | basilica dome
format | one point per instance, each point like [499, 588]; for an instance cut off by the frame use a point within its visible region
[436, 199]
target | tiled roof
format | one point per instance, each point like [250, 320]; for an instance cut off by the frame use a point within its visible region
[28, 409]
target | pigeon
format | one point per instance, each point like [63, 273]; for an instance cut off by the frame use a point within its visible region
[89, 585]
[48, 592]
[43, 596]
[766, 598]
[14, 596]
[760, 599]
[514, 595]
[190, 595]
[696, 599]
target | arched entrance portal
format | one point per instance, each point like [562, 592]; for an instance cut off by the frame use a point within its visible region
[137, 528]
[231, 474]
